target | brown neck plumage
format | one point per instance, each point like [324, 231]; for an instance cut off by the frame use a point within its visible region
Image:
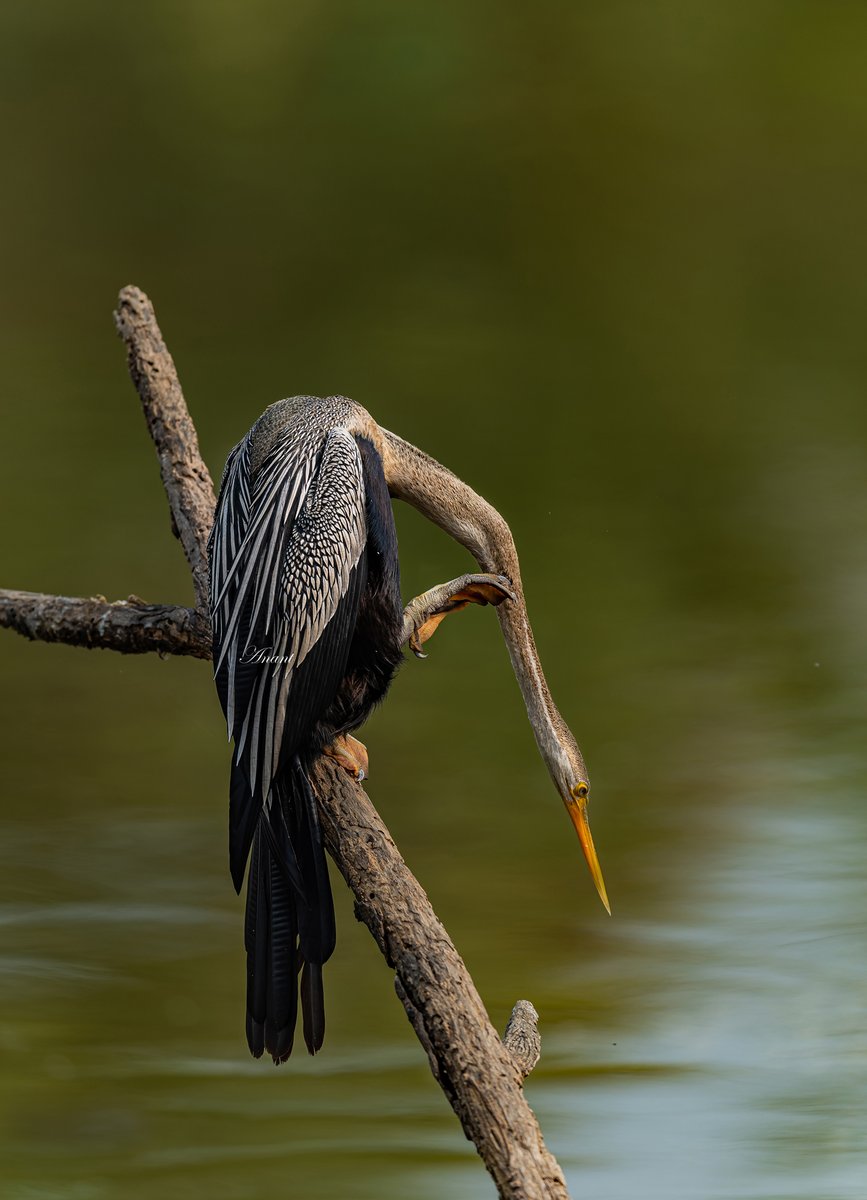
[440, 496]
[450, 503]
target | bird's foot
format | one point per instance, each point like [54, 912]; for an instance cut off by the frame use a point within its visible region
[423, 614]
[350, 754]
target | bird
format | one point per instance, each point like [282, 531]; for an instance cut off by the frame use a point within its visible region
[308, 632]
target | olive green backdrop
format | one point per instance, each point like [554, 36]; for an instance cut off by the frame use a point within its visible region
[607, 262]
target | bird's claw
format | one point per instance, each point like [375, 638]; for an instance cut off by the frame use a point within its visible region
[350, 754]
[415, 645]
[423, 615]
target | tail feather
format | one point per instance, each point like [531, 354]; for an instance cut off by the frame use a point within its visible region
[282, 982]
[289, 920]
[316, 925]
[313, 1006]
[256, 944]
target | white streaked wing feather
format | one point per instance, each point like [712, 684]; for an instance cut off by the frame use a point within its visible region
[283, 552]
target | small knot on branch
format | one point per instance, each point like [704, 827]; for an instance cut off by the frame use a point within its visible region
[522, 1038]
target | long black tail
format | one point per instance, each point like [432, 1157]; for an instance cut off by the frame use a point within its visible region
[290, 920]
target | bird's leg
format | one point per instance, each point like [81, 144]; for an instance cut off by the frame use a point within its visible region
[423, 614]
[351, 754]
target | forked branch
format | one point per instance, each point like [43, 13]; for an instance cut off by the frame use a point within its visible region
[480, 1075]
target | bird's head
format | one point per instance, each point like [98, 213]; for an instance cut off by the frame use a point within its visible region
[569, 773]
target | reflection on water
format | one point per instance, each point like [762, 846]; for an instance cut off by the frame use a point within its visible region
[750, 1079]
[589, 263]
[731, 1063]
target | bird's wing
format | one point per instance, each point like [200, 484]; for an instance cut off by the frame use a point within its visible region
[287, 573]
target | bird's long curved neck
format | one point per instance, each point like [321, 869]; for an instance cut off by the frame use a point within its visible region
[440, 496]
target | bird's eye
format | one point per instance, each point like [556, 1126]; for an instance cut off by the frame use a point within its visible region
[580, 791]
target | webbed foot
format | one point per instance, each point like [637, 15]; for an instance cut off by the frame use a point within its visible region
[422, 616]
[350, 754]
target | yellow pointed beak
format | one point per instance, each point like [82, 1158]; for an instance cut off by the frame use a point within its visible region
[576, 806]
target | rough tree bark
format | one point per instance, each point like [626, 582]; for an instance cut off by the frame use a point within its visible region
[480, 1075]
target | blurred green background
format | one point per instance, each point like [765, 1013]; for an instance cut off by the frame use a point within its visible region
[607, 262]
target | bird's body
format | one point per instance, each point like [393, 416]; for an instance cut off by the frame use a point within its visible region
[308, 632]
[308, 626]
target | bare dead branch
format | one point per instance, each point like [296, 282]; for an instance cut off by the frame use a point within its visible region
[522, 1038]
[468, 1060]
[185, 477]
[130, 626]
[474, 1068]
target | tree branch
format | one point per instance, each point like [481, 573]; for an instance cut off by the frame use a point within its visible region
[469, 1061]
[185, 477]
[522, 1038]
[130, 626]
[477, 1072]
